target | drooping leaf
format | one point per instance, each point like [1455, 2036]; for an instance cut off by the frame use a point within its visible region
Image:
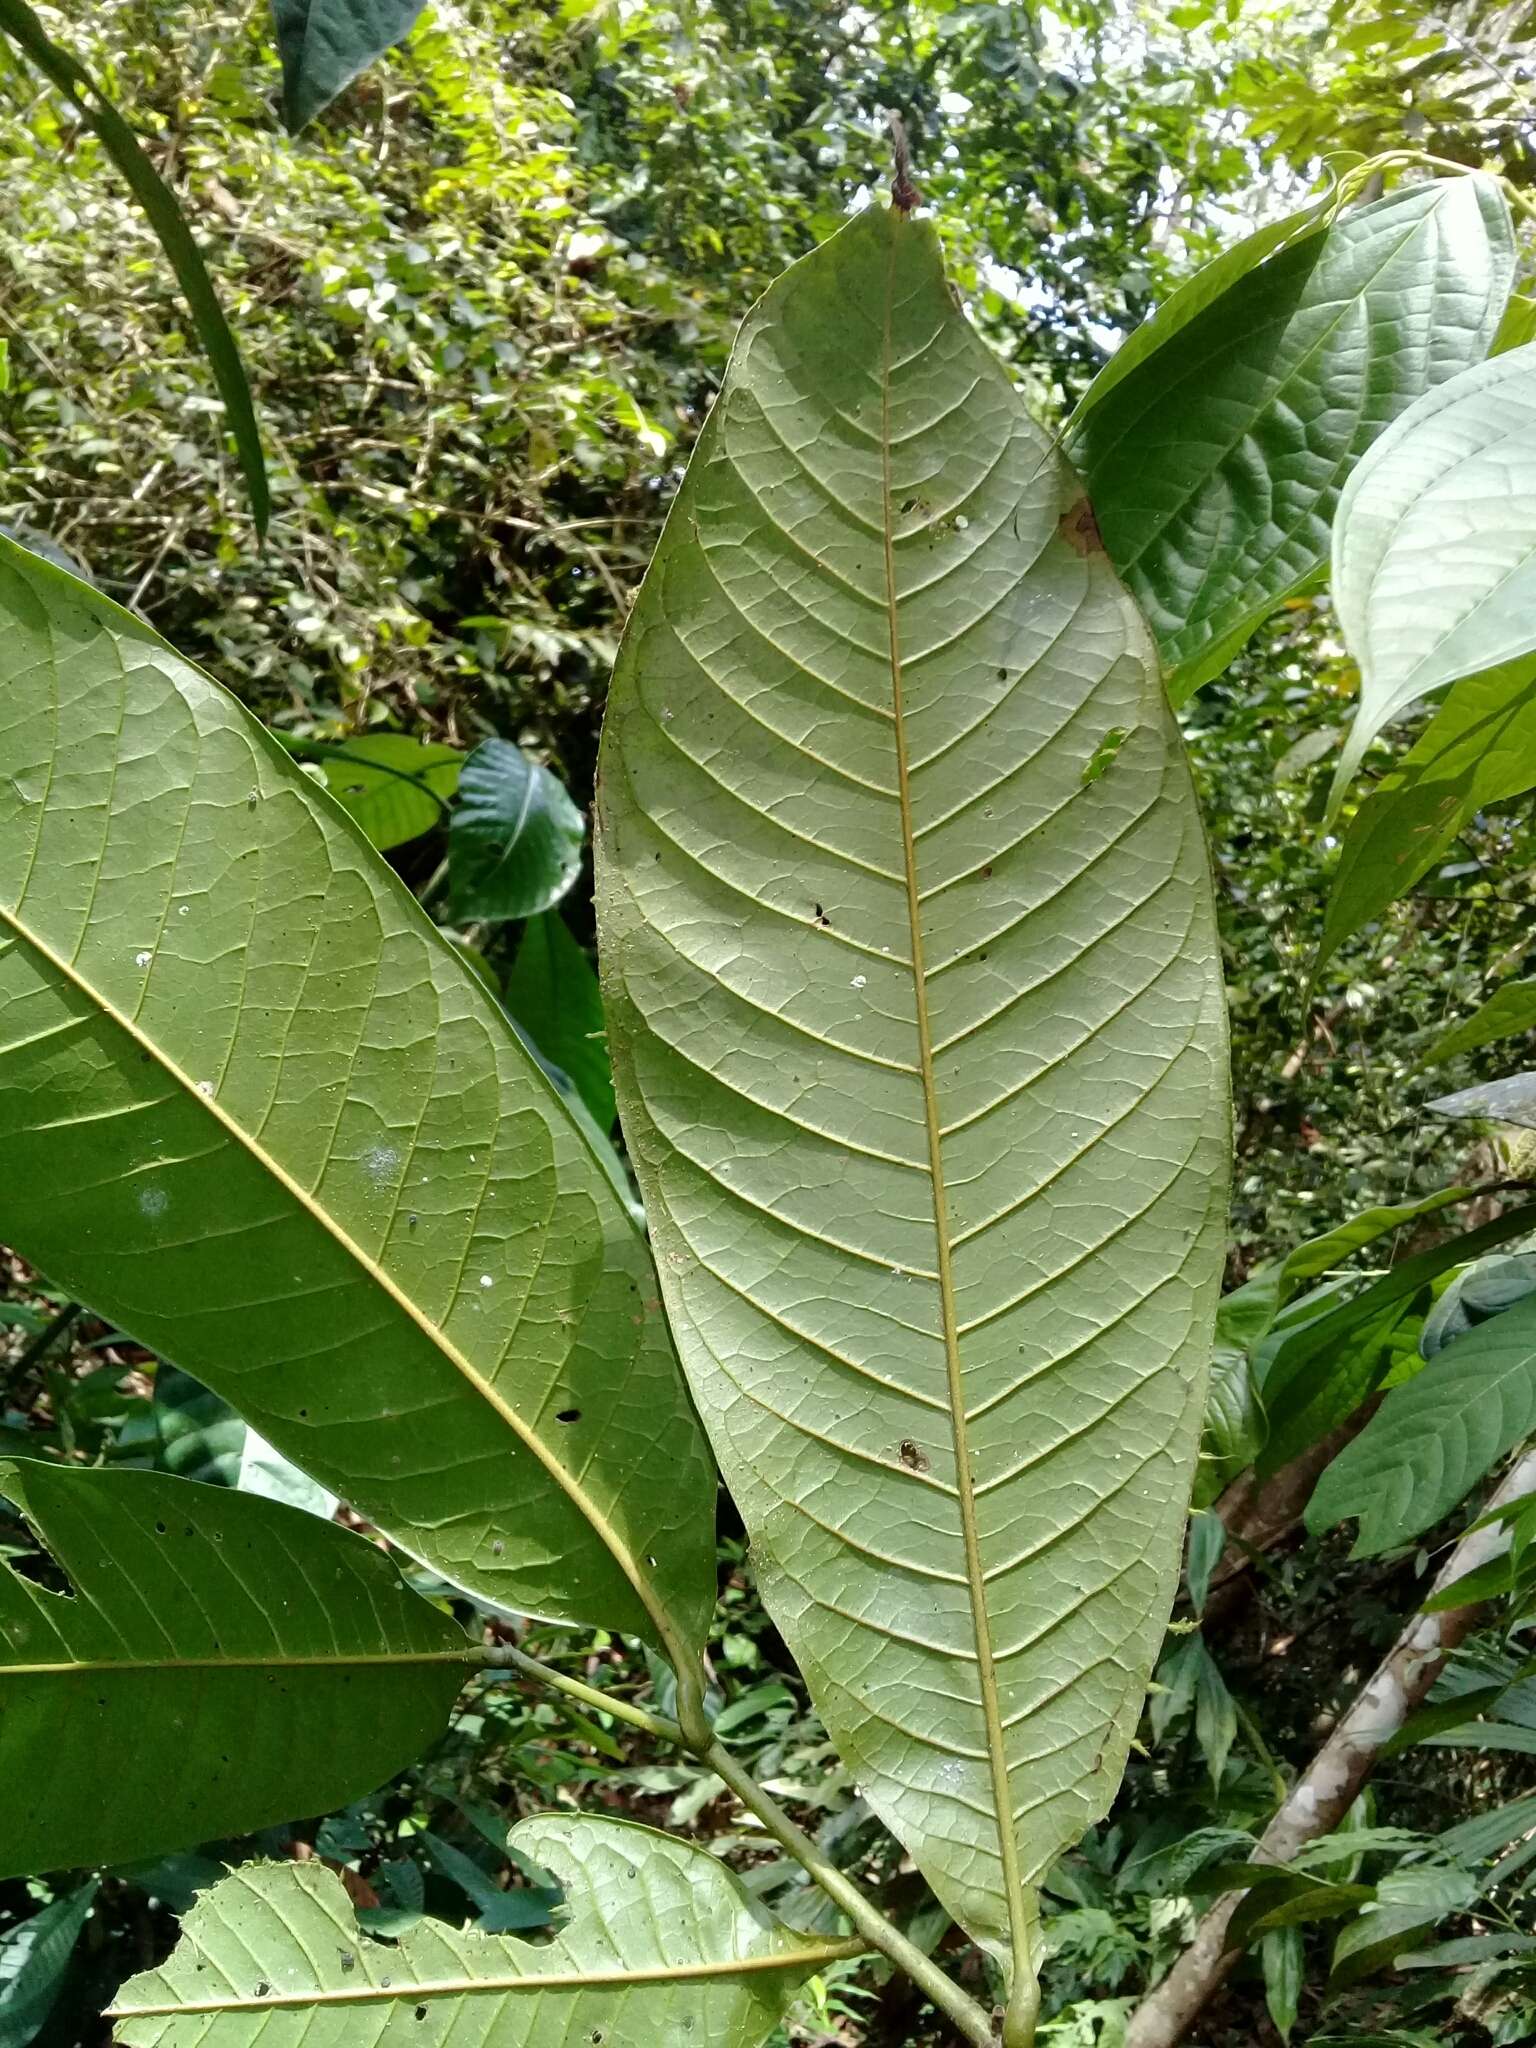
[1482, 1290]
[1323, 1369]
[552, 992]
[660, 1944]
[70, 78]
[201, 1437]
[260, 1115]
[919, 1041]
[1215, 466]
[1281, 1957]
[1430, 1441]
[33, 1960]
[324, 44]
[1319, 1255]
[223, 1662]
[1478, 749]
[1510, 1012]
[396, 788]
[515, 844]
[1434, 554]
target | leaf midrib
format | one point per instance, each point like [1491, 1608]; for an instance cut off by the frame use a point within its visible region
[458, 1987]
[280, 1660]
[1013, 1884]
[370, 1269]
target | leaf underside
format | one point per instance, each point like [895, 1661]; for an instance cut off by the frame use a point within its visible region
[662, 1945]
[259, 1114]
[1215, 467]
[326, 43]
[221, 1662]
[856, 708]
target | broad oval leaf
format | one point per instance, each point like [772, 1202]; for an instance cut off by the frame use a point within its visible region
[1434, 553]
[222, 1662]
[1430, 1441]
[913, 990]
[515, 844]
[1216, 465]
[259, 1114]
[325, 44]
[661, 1944]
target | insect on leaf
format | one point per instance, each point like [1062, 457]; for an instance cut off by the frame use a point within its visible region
[919, 1037]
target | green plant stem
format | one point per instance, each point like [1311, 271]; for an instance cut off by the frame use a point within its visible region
[875, 1931]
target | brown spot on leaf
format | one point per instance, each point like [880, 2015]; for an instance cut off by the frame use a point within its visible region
[914, 1459]
[1080, 529]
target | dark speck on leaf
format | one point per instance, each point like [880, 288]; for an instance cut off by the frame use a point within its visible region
[914, 1459]
[569, 1415]
[1080, 529]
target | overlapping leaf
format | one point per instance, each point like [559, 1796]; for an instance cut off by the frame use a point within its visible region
[515, 845]
[256, 1112]
[913, 990]
[395, 787]
[660, 1945]
[1215, 465]
[1434, 554]
[552, 992]
[220, 1662]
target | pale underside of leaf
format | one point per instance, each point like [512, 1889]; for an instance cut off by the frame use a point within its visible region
[1434, 557]
[659, 1943]
[922, 1057]
[259, 1114]
[220, 1662]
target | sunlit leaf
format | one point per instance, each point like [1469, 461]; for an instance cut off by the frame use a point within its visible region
[659, 1943]
[221, 1662]
[260, 1115]
[396, 788]
[920, 1046]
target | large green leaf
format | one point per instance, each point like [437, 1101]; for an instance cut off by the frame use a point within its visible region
[259, 1114]
[70, 78]
[34, 1959]
[515, 845]
[326, 43]
[1478, 749]
[661, 1946]
[1434, 556]
[223, 1662]
[913, 991]
[1215, 466]
[1430, 1441]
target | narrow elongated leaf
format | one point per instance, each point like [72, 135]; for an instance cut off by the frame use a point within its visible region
[33, 1960]
[1215, 466]
[919, 1035]
[552, 992]
[201, 1437]
[1430, 1441]
[1434, 555]
[259, 1114]
[661, 1945]
[1479, 748]
[396, 788]
[223, 1662]
[515, 846]
[69, 77]
[1510, 1012]
[325, 44]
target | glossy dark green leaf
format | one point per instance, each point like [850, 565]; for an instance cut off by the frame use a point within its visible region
[34, 1958]
[1215, 466]
[258, 1113]
[515, 844]
[69, 77]
[221, 1662]
[1478, 749]
[396, 788]
[552, 991]
[325, 44]
[659, 1945]
[1433, 1439]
